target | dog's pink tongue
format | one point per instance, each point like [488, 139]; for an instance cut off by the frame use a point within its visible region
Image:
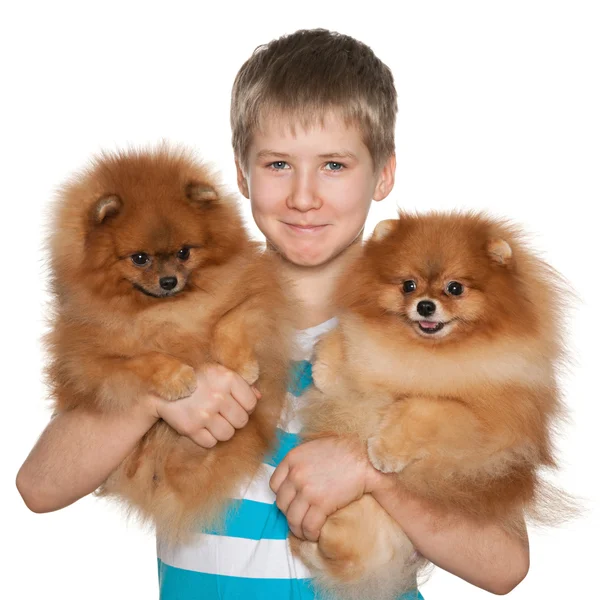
[428, 324]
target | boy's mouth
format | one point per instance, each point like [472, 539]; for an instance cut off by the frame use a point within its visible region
[305, 228]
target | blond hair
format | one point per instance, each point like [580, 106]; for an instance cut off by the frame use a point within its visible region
[306, 75]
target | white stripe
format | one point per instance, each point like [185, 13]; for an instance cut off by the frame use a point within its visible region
[258, 489]
[236, 557]
[305, 338]
[289, 421]
[292, 426]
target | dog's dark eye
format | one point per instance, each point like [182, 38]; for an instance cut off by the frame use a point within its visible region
[140, 259]
[183, 254]
[455, 289]
[409, 286]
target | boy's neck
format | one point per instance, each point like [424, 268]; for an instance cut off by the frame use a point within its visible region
[314, 287]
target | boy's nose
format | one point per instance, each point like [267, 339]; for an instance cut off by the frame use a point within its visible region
[304, 195]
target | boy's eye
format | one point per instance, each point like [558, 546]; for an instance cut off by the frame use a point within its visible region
[278, 165]
[334, 166]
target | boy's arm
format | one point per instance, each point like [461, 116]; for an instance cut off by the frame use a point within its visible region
[319, 477]
[79, 449]
[483, 554]
[77, 452]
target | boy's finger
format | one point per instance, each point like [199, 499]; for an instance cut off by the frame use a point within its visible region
[279, 476]
[243, 394]
[220, 428]
[285, 497]
[234, 413]
[295, 515]
[313, 522]
[204, 439]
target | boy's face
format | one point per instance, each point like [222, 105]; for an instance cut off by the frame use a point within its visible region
[311, 189]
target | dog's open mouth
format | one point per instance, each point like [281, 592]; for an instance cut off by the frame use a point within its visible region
[430, 326]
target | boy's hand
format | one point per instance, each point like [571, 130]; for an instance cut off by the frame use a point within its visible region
[319, 477]
[220, 404]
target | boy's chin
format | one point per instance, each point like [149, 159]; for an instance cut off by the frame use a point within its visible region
[318, 259]
[310, 256]
[300, 261]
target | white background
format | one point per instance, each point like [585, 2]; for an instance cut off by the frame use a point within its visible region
[499, 108]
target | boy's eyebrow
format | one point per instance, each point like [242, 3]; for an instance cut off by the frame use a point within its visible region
[274, 154]
[340, 154]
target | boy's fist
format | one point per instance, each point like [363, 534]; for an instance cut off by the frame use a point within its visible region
[221, 403]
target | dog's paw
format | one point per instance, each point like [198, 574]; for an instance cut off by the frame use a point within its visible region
[173, 380]
[322, 375]
[249, 372]
[382, 459]
[307, 551]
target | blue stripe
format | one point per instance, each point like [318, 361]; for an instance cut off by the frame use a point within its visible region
[179, 584]
[300, 377]
[253, 521]
[285, 442]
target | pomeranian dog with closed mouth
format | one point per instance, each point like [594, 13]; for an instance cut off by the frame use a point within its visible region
[444, 366]
[153, 276]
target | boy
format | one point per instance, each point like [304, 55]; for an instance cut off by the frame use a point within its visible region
[313, 117]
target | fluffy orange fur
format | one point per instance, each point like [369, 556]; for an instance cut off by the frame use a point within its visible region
[153, 275]
[444, 365]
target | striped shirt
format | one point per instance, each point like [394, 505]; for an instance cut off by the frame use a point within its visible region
[249, 557]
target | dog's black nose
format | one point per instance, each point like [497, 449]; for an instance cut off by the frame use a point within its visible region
[426, 308]
[168, 283]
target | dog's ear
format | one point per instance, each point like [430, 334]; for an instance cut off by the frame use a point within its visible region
[499, 251]
[200, 193]
[105, 207]
[383, 229]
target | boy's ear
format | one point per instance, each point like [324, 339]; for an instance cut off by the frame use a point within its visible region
[241, 180]
[385, 183]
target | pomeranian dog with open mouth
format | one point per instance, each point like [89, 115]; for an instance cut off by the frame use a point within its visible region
[444, 366]
[153, 276]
